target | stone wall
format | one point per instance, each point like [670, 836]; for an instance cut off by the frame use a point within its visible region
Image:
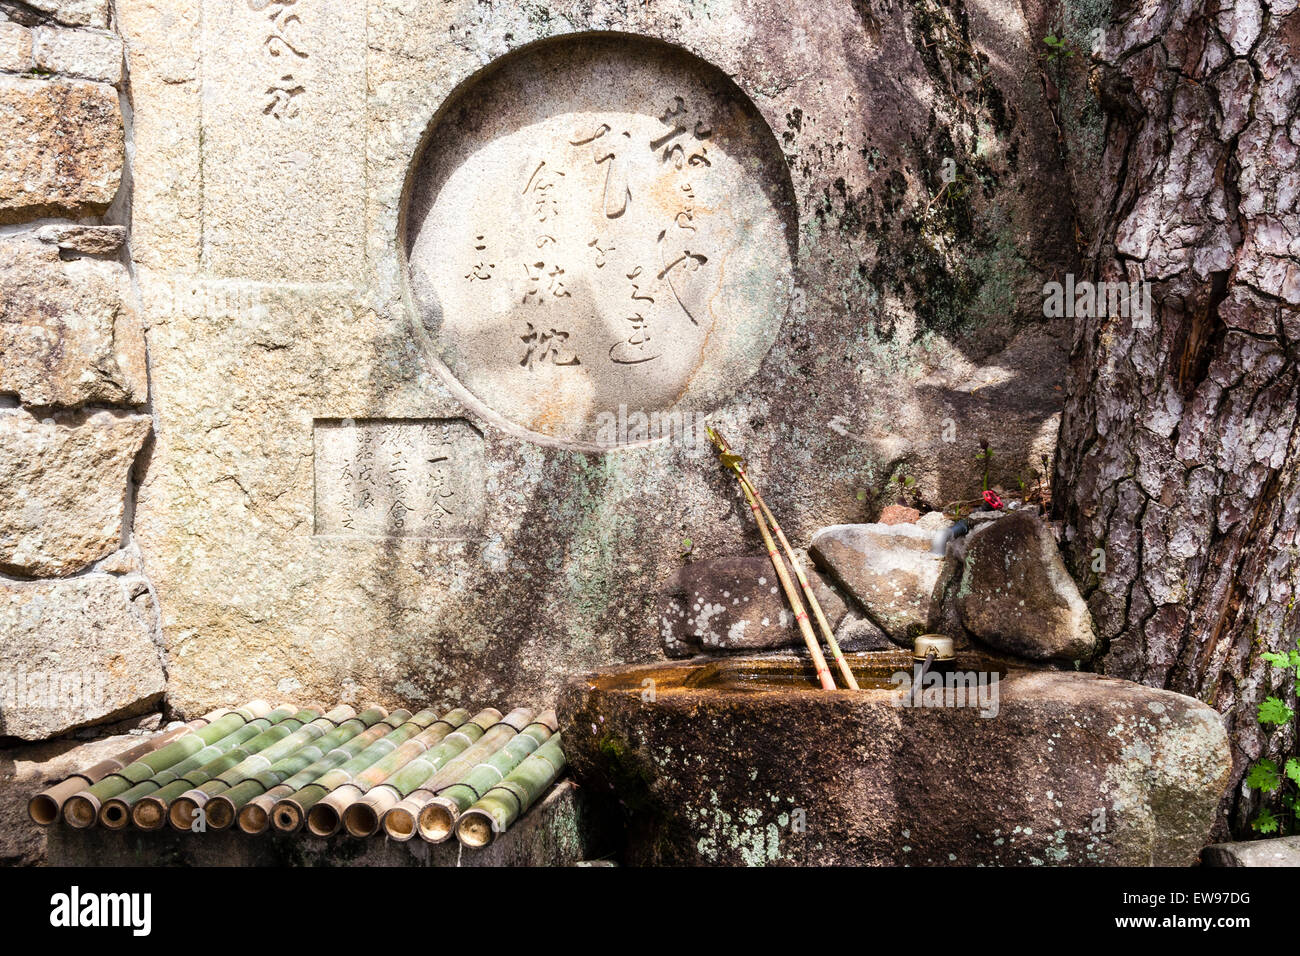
[373, 434]
[78, 617]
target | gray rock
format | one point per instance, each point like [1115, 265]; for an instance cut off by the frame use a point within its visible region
[1074, 768]
[76, 652]
[69, 332]
[735, 604]
[62, 148]
[1283, 851]
[1017, 596]
[888, 569]
[15, 47]
[88, 240]
[75, 13]
[65, 481]
[861, 634]
[85, 54]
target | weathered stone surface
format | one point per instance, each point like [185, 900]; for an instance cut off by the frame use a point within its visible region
[1017, 596]
[1283, 851]
[62, 147]
[566, 826]
[88, 240]
[899, 514]
[888, 569]
[80, 53]
[303, 311]
[69, 331]
[76, 652]
[74, 13]
[1074, 769]
[734, 604]
[27, 769]
[65, 481]
[621, 230]
[15, 47]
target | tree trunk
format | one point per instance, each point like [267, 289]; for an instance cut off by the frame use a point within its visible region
[1179, 452]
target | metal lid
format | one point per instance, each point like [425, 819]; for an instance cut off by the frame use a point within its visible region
[938, 644]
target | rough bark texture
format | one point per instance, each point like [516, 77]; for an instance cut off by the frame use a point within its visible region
[1179, 451]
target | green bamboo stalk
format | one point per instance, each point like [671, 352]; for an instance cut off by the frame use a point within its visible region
[46, 807]
[116, 811]
[265, 804]
[813, 604]
[291, 812]
[505, 803]
[362, 818]
[220, 809]
[730, 461]
[181, 812]
[492, 741]
[237, 797]
[438, 820]
[82, 809]
[327, 815]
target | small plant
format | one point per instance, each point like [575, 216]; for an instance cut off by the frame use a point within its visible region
[1265, 775]
[1057, 47]
[906, 489]
[985, 456]
[688, 548]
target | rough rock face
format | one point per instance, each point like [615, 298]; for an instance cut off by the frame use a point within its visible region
[69, 333]
[1017, 596]
[79, 53]
[15, 47]
[888, 569]
[76, 652]
[1283, 851]
[912, 304]
[1074, 769]
[65, 482]
[62, 147]
[74, 13]
[731, 604]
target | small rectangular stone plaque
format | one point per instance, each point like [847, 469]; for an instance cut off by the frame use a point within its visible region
[399, 478]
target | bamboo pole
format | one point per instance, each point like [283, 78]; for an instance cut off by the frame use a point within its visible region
[342, 802]
[505, 803]
[220, 809]
[82, 809]
[438, 820]
[116, 811]
[46, 807]
[362, 818]
[239, 796]
[291, 812]
[492, 741]
[260, 808]
[183, 809]
[814, 605]
[388, 801]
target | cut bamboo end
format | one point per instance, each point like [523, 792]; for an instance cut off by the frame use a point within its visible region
[287, 816]
[221, 812]
[258, 708]
[149, 814]
[253, 819]
[81, 810]
[362, 819]
[47, 806]
[184, 808]
[114, 814]
[399, 824]
[437, 821]
[322, 820]
[476, 829]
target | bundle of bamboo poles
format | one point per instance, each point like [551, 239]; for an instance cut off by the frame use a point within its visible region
[767, 527]
[288, 767]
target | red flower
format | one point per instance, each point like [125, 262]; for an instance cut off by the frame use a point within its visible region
[992, 500]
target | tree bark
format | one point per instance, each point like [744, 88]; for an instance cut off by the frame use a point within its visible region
[1179, 454]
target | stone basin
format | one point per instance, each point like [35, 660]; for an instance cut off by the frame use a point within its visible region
[746, 761]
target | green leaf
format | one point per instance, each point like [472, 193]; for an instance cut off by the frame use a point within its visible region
[1263, 777]
[1292, 770]
[1273, 711]
[1265, 822]
[730, 461]
[687, 544]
